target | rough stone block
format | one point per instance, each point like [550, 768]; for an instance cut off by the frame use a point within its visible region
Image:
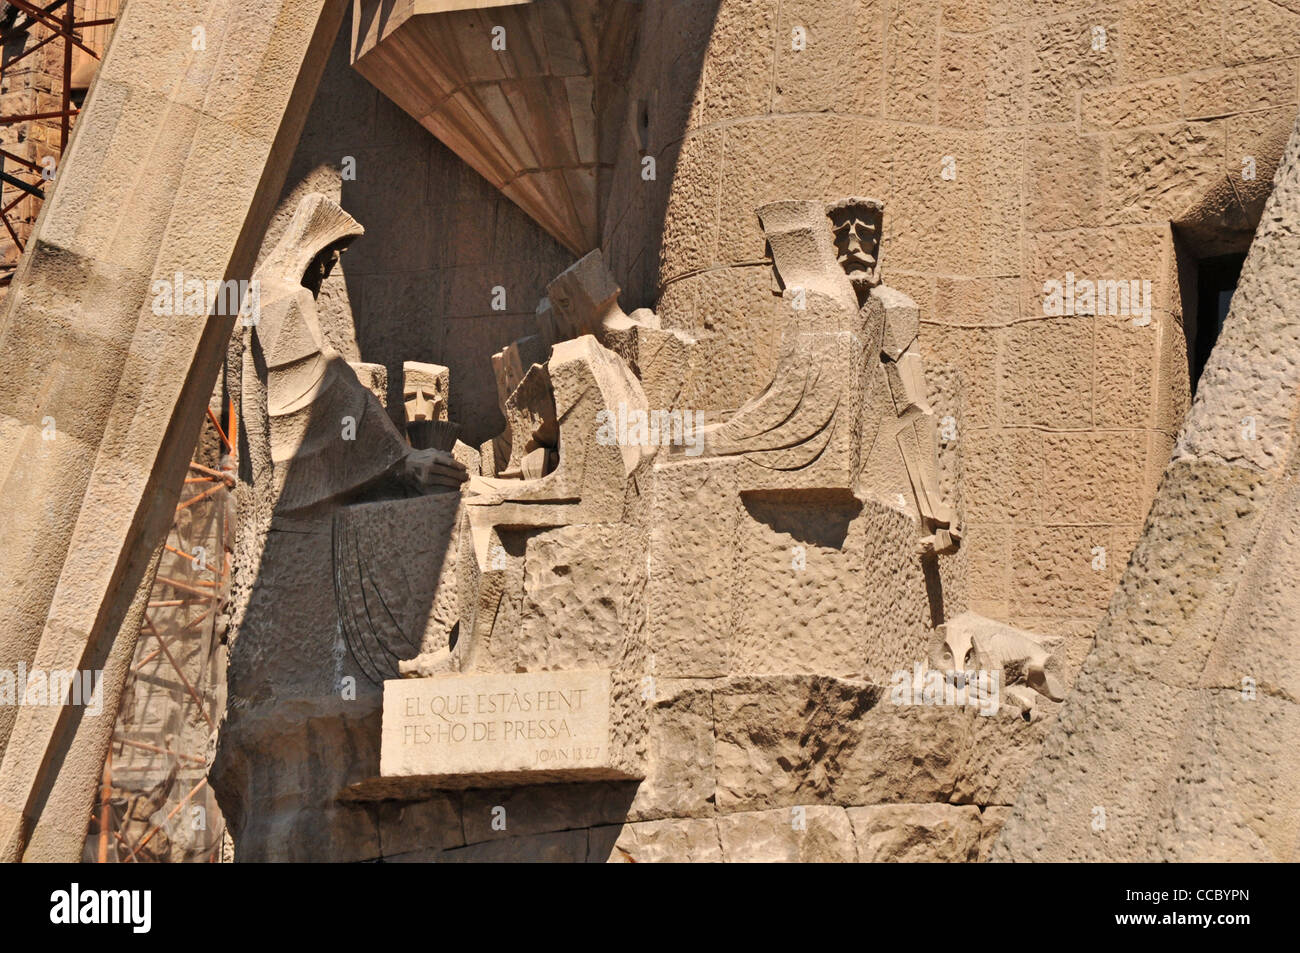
[801, 834]
[1123, 107]
[916, 832]
[676, 841]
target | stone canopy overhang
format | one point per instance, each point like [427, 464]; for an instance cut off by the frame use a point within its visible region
[526, 117]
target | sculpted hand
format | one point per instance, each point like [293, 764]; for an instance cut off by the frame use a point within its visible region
[426, 469]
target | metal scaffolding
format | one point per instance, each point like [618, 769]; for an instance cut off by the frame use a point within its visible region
[155, 804]
[53, 31]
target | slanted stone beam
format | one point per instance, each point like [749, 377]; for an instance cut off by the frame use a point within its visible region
[175, 167]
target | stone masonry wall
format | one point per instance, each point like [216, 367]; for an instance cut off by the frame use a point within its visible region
[1063, 158]
[1012, 144]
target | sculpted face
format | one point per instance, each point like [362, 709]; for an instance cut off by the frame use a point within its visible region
[572, 309]
[320, 268]
[855, 224]
[422, 403]
[583, 296]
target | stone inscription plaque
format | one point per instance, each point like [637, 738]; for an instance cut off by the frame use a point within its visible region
[474, 730]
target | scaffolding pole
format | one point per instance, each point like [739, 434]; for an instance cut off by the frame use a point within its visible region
[58, 20]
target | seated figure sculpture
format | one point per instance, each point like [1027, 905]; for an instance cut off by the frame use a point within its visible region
[551, 467]
[319, 438]
[847, 406]
[582, 300]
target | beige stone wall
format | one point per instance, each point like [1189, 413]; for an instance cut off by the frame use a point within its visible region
[1066, 158]
[1196, 664]
[1063, 158]
[418, 286]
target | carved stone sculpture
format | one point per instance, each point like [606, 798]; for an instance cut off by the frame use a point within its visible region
[583, 299]
[974, 643]
[425, 397]
[509, 365]
[856, 225]
[425, 389]
[395, 579]
[374, 378]
[738, 614]
[326, 435]
[576, 479]
[531, 419]
[899, 430]
[319, 435]
[847, 406]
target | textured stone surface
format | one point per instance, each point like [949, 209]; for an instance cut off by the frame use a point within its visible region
[560, 847]
[673, 841]
[502, 813]
[582, 599]
[681, 753]
[800, 834]
[761, 604]
[1179, 670]
[916, 832]
[690, 588]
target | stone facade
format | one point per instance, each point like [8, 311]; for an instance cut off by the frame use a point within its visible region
[722, 442]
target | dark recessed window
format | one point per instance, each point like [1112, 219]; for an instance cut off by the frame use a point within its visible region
[1216, 280]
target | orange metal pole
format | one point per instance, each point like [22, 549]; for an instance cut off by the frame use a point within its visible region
[69, 37]
[181, 675]
[157, 750]
[234, 427]
[186, 587]
[220, 433]
[122, 840]
[211, 472]
[202, 496]
[105, 806]
[148, 837]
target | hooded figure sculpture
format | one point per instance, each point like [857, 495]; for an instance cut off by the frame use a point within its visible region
[325, 434]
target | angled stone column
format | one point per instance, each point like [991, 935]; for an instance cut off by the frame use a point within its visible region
[174, 169]
[1178, 742]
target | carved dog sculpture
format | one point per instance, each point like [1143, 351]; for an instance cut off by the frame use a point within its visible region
[975, 643]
